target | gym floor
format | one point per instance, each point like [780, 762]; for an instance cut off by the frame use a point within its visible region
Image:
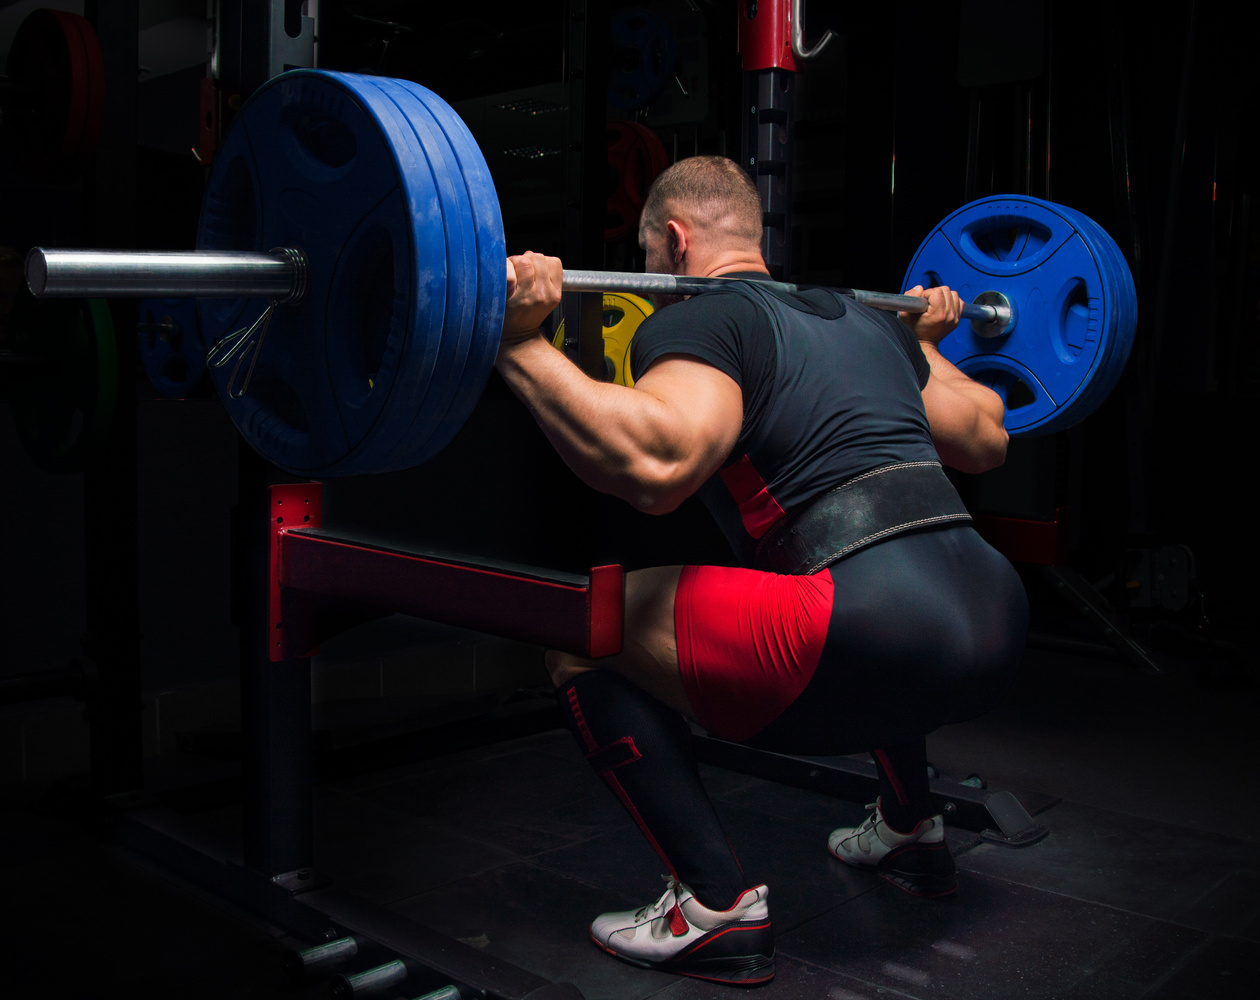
[1146, 887]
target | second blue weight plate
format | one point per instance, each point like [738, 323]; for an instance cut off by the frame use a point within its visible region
[1065, 296]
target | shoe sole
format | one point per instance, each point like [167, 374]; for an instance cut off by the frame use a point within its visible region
[731, 969]
[917, 882]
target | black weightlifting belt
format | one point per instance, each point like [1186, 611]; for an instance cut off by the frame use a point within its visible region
[879, 504]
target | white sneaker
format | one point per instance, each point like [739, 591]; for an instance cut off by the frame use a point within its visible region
[678, 934]
[918, 861]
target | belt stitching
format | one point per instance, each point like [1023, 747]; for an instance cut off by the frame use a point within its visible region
[939, 519]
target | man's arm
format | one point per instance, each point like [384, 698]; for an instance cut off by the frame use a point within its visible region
[653, 445]
[965, 417]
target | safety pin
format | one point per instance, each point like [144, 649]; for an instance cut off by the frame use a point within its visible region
[242, 342]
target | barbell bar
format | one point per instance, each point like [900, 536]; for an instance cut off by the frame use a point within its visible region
[280, 276]
[366, 350]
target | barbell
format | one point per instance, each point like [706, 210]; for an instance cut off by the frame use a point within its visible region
[350, 279]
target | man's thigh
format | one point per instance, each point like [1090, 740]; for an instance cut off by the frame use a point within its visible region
[649, 653]
[750, 642]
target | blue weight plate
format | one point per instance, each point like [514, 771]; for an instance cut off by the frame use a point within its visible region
[171, 345]
[642, 60]
[455, 395]
[310, 163]
[1062, 292]
[486, 326]
[423, 148]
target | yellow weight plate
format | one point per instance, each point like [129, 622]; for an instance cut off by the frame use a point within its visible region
[622, 315]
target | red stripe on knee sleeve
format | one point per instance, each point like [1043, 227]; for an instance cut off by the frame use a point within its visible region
[892, 777]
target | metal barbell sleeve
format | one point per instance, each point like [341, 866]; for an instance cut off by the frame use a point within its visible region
[279, 275]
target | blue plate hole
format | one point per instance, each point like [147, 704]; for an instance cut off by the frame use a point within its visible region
[1007, 239]
[281, 400]
[1015, 392]
[1073, 330]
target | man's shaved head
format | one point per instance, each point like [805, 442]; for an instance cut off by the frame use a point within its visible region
[713, 195]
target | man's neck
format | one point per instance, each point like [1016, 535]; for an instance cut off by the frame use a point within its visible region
[725, 262]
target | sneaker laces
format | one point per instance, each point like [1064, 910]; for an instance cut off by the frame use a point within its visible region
[658, 908]
[869, 829]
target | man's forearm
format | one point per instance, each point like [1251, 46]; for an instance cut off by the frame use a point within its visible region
[972, 437]
[988, 401]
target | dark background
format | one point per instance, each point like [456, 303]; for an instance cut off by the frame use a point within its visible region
[1138, 121]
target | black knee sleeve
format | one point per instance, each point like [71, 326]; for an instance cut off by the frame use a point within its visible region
[904, 798]
[642, 750]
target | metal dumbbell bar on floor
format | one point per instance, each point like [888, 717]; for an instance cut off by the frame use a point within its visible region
[384, 211]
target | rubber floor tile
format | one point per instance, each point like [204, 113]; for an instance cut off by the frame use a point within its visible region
[788, 804]
[385, 855]
[620, 862]
[524, 803]
[719, 782]
[1100, 732]
[1230, 908]
[1137, 966]
[793, 980]
[1223, 969]
[1156, 869]
[539, 920]
[991, 940]
[555, 743]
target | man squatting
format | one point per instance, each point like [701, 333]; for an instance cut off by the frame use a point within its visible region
[865, 610]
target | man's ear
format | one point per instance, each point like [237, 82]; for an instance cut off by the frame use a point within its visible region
[676, 235]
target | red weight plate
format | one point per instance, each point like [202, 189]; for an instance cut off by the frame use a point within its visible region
[76, 71]
[56, 59]
[94, 84]
[635, 157]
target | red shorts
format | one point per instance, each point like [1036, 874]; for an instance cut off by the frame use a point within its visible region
[748, 643]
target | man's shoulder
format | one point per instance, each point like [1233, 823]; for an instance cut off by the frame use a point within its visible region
[723, 328]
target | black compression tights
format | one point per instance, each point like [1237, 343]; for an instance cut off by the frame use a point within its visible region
[642, 750]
